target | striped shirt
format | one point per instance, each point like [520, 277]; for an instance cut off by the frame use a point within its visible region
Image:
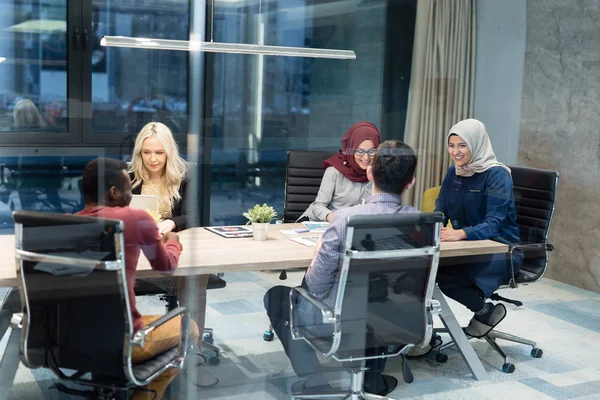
[322, 277]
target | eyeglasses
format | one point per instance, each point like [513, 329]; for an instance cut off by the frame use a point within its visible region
[362, 152]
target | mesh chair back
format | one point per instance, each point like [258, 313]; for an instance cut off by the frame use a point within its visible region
[76, 312]
[303, 176]
[535, 198]
[386, 281]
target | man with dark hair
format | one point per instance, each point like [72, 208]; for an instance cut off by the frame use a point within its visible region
[106, 190]
[392, 171]
[99, 176]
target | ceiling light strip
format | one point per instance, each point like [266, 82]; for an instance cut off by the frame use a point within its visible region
[232, 48]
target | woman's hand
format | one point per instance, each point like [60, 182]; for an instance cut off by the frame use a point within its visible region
[329, 216]
[165, 226]
[453, 235]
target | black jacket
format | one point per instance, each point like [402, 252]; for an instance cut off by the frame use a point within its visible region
[186, 214]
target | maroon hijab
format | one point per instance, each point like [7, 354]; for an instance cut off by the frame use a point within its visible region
[344, 161]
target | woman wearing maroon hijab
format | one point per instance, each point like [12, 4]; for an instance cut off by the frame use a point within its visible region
[345, 182]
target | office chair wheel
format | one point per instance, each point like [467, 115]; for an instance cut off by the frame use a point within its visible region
[208, 338]
[508, 368]
[214, 359]
[537, 353]
[268, 336]
[441, 358]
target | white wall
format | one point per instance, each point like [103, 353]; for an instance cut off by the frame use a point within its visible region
[500, 59]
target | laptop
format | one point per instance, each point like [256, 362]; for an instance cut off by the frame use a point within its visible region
[144, 202]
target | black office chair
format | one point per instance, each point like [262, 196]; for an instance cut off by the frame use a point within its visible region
[385, 285]
[303, 175]
[535, 198]
[75, 311]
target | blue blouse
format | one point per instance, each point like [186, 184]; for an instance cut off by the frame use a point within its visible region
[483, 205]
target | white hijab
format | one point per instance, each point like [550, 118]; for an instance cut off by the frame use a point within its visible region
[483, 158]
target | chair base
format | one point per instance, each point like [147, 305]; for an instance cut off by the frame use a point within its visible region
[207, 333]
[511, 338]
[208, 343]
[344, 395]
[491, 339]
[356, 391]
[95, 394]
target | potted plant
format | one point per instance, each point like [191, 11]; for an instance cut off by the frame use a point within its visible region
[260, 217]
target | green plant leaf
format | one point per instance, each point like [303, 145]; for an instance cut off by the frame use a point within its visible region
[260, 214]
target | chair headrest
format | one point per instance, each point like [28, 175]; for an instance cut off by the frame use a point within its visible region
[38, 219]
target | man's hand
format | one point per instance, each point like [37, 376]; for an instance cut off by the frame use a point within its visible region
[165, 226]
[170, 236]
[329, 216]
[452, 235]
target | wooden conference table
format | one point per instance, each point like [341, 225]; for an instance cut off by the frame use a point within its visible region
[205, 252]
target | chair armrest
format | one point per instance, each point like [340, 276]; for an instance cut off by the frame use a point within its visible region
[531, 247]
[524, 248]
[435, 307]
[16, 321]
[326, 311]
[139, 337]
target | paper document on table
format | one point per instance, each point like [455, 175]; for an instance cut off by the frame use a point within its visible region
[294, 231]
[310, 241]
[316, 226]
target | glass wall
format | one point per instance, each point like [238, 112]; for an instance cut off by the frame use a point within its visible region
[33, 66]
[263, 106]
[65, 100]
[57, 78]
[131, 87]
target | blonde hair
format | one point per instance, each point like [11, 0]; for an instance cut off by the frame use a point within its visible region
[26, 115]
[175, 167]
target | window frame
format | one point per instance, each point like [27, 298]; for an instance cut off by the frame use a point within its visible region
[117, 139]
[74, 105]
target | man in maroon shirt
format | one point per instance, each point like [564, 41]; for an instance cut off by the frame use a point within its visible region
[106, 190]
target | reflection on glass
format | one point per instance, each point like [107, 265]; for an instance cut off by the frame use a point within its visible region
[260, 106]
[46, 182]
[264, 106]
[33, 66]
[131, 87]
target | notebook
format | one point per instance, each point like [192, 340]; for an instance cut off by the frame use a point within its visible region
[144, 202]
[234, 231]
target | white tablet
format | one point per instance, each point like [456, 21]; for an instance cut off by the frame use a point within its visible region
[144, 202]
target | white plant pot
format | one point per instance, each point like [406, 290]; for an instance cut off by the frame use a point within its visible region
[260, 231]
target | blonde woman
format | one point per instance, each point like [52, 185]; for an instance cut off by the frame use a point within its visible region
[157, 169]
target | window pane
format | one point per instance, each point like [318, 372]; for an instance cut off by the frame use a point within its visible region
[131, 87]
[263, 106]
[33, 66]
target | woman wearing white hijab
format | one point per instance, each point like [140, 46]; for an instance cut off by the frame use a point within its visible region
[477, 197]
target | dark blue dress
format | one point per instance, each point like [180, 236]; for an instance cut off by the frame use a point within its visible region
[483, 205]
